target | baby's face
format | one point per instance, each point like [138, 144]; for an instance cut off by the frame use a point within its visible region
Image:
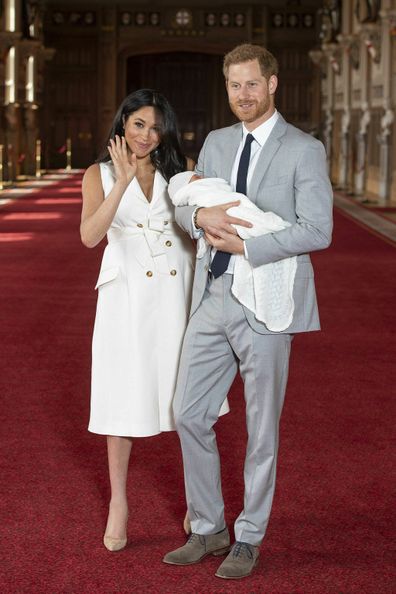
[194, 178]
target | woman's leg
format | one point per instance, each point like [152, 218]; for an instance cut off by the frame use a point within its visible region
[187, 524]
[118, 451]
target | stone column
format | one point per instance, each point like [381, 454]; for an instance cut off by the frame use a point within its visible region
[32, 133]
[333, 68]
[344, 152]
[345, 40]
[2, 78]
[385, 141]
[360, 173]
[13, 126]
[319, 60]
[365, 115]
[328, 136]
[388, 20]
[29, 108]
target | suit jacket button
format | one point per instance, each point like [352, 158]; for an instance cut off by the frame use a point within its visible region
[206, 267]
[173, 272]
[168, 243]
[149, 273]
[140, 225]
[166, 222]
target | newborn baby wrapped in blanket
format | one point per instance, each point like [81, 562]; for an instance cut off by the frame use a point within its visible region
[266, 290]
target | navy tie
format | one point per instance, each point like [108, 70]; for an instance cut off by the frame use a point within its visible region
[221, 259]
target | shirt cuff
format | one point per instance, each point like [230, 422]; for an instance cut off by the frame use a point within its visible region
[197, 233]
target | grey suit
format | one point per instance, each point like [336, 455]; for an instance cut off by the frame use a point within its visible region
[290, 179]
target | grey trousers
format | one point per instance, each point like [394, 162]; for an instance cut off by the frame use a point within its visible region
[218, 337]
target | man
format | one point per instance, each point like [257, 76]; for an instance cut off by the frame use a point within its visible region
[282, 170]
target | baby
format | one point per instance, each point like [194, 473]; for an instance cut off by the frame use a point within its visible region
[266, 290]
[213, 191]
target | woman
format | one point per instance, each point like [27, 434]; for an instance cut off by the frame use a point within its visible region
[144, 286]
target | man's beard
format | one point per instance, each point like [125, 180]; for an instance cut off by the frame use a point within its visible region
[253, 114]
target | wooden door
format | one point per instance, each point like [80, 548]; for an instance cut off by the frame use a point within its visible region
[194, 85]
[70, 100]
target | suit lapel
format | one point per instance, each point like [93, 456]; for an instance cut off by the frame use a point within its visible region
[268, 152]
[229, 152]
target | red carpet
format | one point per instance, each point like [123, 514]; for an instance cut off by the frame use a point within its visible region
[331, 527]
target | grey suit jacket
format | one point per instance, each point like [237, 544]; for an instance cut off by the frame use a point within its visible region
[291, 180]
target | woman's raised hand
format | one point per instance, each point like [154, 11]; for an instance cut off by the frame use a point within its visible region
[124, 164]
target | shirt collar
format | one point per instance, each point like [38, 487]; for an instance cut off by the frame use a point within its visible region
[261, 133]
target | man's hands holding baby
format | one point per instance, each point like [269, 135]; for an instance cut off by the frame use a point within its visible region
[217, 225]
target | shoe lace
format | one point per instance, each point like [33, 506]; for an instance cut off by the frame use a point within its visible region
[194, 537]
[242, 549]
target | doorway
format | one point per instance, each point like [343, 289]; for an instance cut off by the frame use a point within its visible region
[194, 85]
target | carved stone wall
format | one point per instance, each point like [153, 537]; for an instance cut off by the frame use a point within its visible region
[357, 59]
[336, 142]
[393, 128]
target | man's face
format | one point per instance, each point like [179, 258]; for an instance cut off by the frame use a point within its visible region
[250, 95]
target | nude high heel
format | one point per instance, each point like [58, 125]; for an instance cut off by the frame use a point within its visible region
[187, 524]
[114, 544]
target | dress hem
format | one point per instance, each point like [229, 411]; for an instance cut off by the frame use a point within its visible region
[129, 433]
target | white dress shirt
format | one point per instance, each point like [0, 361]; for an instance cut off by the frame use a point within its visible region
[260, 135]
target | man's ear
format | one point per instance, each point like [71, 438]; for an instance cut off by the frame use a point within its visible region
[272, 84]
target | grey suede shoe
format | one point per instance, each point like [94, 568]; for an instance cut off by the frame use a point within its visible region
[198, 546]
[240, 562]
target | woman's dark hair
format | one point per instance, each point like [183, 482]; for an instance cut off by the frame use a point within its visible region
[167, 157]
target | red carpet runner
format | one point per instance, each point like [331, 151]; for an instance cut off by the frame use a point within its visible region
[330, 530]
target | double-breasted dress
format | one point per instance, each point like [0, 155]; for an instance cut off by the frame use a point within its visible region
[144, 297]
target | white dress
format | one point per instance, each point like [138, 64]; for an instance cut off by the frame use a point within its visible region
[144, 294]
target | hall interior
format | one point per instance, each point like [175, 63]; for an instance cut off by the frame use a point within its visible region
[65, 68]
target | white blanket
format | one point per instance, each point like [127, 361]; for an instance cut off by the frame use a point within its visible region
[266, 290]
